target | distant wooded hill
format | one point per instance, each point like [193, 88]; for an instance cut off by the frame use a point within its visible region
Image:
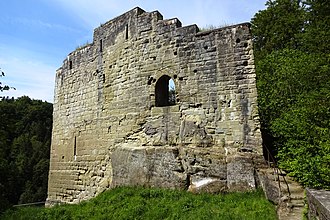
[25, 136]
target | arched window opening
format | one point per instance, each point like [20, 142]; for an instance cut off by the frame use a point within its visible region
[165, 91]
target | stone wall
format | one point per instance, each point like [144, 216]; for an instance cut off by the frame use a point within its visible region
[113, 126]
[318, 204]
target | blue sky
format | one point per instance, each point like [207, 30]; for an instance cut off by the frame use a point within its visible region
[37, 35]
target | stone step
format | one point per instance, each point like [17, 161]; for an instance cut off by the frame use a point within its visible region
[283, 180]
[290, 213]
[296, 205]
[292, 202]
[295, 214]
[280, 178]
[298, 196]
[293, 190]
[291, 205]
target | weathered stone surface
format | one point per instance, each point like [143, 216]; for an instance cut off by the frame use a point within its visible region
[318, 204]
[270, 187]
[109, 129]
[240, 173]
[148, 166]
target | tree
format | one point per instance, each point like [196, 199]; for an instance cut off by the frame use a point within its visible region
[278, 26]
[25, 133]
[293, 75]
[304, 131]
[317, 34]
[274, 29]
[171, 96]
[294, 105]
[3, 87]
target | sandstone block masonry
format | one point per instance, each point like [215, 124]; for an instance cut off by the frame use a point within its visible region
[116, 122]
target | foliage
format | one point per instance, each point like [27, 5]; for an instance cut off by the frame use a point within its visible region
[293, 75]
[317, 35]
[283, 76]
[210, 27]
[305, 135]
[150, 203]
[4, 87]
[25, 132]
[82, 46]
[278, 26]
[171, 97]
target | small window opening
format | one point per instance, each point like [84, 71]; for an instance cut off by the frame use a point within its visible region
[126, 32]
[165, 91]
[70, 65]
[101, 45]
[75, 148]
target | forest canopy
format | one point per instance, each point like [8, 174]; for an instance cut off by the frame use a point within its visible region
[25, 135]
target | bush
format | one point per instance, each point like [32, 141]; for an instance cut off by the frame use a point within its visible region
[294, 104]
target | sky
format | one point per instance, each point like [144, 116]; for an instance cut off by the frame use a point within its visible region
[37, 35]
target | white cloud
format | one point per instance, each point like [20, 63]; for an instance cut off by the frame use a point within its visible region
[29, 77]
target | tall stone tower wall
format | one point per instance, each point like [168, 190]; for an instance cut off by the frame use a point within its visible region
[113, 123]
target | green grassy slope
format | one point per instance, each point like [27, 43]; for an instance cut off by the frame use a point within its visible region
[149, 203]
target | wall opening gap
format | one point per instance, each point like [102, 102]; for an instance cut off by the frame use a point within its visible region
[171, 92]
[75, 148]
[126, 32]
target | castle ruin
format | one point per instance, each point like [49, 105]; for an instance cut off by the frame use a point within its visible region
[155, 104]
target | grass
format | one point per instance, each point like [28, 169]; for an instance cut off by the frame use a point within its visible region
[150, 203]
[212, 27]
[79, 47]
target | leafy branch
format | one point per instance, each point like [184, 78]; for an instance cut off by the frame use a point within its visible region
[4, 87]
